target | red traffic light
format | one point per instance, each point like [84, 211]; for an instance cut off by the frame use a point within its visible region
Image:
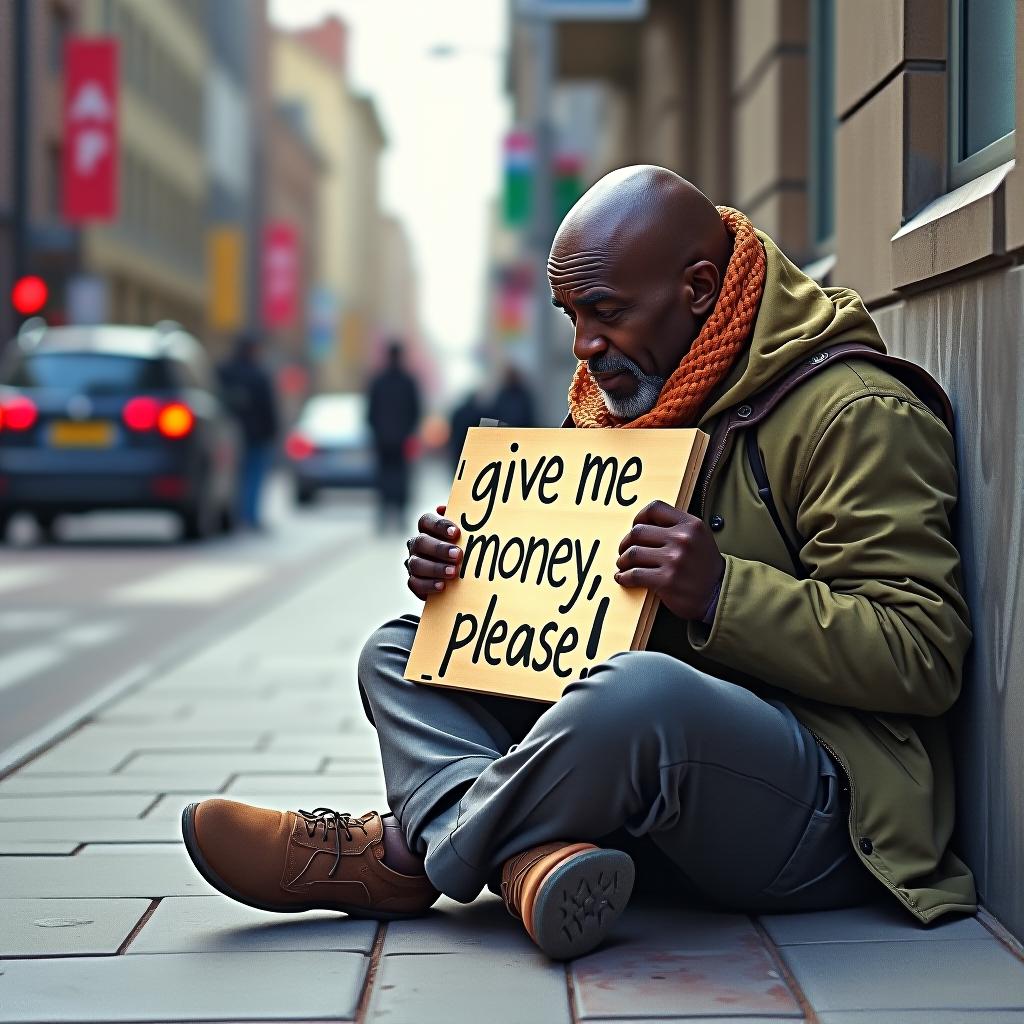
[29, 295]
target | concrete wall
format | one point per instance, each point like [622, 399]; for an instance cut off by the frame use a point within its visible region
[968, 335]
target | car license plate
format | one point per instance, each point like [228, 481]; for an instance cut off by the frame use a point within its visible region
[90, 434]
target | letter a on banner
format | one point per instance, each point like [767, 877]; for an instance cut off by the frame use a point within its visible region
[90, 157]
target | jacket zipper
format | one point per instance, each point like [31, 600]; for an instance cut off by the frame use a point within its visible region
[710, 473]
[909, 900]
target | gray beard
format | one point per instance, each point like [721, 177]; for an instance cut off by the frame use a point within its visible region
[643, 399]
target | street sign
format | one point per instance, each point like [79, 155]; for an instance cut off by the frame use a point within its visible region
[90, 154]
[584, 10]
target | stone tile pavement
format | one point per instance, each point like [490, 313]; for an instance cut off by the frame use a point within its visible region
[102, 917]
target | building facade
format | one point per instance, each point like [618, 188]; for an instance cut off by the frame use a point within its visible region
[876, 142]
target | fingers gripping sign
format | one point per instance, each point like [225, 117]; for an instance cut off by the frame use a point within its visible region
[674, 555]
[433, 556]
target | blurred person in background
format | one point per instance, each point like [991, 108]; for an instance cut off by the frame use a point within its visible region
[248, 392]
[466, 414]
[393, 414]
[513, 403]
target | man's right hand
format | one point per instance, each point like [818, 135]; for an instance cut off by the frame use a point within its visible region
[433, 558]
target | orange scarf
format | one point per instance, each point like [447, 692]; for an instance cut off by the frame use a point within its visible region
[711, 355]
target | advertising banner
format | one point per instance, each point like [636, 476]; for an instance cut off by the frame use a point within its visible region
[281, 286]
[90, 155]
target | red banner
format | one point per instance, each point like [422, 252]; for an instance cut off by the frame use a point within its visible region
[90, 155]
[280, 274]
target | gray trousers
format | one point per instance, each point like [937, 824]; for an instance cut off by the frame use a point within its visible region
[722, 792]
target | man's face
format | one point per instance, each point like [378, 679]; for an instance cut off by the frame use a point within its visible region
[633, 322]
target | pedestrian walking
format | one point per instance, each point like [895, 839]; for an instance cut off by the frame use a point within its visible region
[513, 402]
[394, 414]
[248, 392]
[466, 414]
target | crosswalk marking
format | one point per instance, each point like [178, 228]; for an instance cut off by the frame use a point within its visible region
[23, 619]
[25, 662]
[189, 584]
[12, 577]
[91, 634]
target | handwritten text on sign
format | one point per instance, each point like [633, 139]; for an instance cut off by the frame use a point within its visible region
[542, 513]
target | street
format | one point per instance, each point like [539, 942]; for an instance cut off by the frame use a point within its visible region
[117, 595]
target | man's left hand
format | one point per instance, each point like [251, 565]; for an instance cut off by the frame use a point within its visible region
[674, 555]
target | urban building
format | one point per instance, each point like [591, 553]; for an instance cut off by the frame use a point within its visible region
[876, 142]
[293, 180]
[152, 257]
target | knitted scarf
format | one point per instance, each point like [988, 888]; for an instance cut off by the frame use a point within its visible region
[712, 353]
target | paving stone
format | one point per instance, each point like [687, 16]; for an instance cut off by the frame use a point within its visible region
[496, 987]
[361, 774]
[181, 738]
[184, 781]
[92, 830]
[681, 930]
[72, 760]
[171, 806]
[452, 927]
[147, 875]
[158, 710]
[45, 808]
[41, 847]
[624, 981]
[183, 987]
[214, 924]
[85, 927]
[921, 1017]
[146, 764]
[940, 974]
[697, 1020]
[119, 849]
[337, 742]
[874, 923]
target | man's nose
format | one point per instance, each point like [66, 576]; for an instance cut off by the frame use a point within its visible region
[586, 344]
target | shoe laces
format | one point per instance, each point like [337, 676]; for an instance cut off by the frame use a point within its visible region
[333, 822]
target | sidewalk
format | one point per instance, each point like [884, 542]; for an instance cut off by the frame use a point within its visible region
[103, 918]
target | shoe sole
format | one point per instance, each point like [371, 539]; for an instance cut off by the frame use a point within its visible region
[580, 900]
[188, 832]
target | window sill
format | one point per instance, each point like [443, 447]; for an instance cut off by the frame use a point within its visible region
[957, 229]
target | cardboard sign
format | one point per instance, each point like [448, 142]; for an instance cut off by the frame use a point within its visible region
[542, 513]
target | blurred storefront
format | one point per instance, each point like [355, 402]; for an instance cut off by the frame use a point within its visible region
[310, 77]
[876, 142]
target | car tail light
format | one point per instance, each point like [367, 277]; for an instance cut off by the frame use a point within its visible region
[18, 413]
[175, 420]
[298, 446]
[141, 413]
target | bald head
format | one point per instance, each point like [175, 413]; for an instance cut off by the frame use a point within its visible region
[648, 213]
[637, 265]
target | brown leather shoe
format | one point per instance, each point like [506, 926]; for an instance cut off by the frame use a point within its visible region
[568, 895]
[312, 860]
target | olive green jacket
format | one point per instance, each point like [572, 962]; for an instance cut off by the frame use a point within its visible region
[868, 650]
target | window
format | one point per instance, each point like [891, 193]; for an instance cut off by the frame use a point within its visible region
[982, 65]
[821, 173]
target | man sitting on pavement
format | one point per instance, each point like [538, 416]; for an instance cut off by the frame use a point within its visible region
[781, 742]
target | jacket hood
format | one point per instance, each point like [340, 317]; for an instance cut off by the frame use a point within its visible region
[796, 318]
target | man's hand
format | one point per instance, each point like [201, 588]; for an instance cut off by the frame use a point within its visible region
[674, 555]
[433, 558]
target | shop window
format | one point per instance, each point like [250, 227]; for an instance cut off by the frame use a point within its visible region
[982, 66]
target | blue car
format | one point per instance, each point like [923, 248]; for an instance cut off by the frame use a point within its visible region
[114, 417]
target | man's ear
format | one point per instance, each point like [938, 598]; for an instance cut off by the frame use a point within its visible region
[701, 281]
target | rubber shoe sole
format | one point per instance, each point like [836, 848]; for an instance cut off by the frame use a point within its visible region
[580, 900]
[188, 833]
